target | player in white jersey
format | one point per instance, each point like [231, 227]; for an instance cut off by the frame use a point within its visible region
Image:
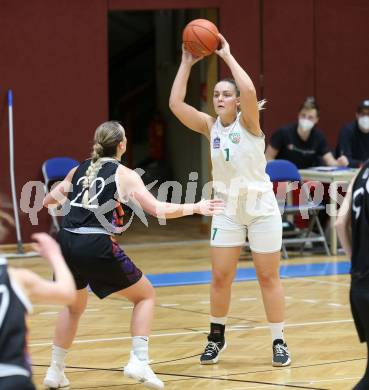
[237, 151]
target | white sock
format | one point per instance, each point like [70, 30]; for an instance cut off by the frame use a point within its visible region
[277, 330]
[140, 347]
[58, 355]
[218, 320]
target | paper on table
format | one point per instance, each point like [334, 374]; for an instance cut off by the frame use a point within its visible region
[329, 169]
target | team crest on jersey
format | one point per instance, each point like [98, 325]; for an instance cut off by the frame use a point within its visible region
[235, 137]
[216, 143]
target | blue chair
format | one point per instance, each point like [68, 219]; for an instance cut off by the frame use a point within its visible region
[56, 169]
[286, 171]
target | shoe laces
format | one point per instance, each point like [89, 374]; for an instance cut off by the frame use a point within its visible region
[280, 349]
[211, 347]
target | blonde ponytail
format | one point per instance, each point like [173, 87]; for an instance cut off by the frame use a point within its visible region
[107, 138]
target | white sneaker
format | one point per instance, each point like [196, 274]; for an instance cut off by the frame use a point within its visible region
[141, 372]
[55, 378]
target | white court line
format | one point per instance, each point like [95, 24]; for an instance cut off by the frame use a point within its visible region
[197, 331]
[166, 243]
[322, 281]
[47, 313]
[169, 304]
[317, 301]
[247, 388]
[334, 380]
[309, 300]
[248, 299]
[60, 306]
[204, 302]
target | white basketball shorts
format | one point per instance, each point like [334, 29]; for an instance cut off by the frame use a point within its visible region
[256, 216]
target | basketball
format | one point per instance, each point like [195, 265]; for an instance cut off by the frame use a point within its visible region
[200, 37]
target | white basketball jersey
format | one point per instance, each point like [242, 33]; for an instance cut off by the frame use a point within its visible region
[238, 160]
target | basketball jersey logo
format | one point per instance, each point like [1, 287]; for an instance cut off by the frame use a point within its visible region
[235, 137]
[216, 143]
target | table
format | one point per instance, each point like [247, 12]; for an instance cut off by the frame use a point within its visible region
[330, 175]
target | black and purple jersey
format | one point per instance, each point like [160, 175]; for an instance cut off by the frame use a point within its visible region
[103, 209]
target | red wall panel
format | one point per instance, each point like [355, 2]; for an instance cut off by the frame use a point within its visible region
[130, 5]
[240, 24]
[315, 48]
[342, 61]
[54, 57]
[288, 59]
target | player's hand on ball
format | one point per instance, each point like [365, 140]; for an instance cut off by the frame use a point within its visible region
[188, 58]
[225, 49]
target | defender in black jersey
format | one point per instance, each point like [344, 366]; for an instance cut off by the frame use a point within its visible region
[16, 287]
[353, 230]
[87, 234]
[95, 192]
[15, 368]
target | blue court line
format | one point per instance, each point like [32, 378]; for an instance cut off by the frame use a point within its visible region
[244, 274]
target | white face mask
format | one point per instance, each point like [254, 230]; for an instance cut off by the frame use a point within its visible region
[364, 123]
[305, 124]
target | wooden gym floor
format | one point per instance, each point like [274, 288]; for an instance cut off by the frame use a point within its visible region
[326, 353]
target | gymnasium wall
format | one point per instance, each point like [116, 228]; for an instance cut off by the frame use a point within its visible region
[54, 57]
[319, 48]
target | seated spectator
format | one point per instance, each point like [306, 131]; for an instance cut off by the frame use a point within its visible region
[302, 142]
[353, 141]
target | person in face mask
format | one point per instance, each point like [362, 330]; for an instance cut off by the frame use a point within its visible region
[353, 141]
[302, 142]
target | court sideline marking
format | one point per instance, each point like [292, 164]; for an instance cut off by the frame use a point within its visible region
[231, 329]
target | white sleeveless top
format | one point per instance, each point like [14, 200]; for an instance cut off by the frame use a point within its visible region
[238, 160]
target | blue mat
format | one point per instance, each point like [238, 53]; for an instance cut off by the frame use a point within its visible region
[244, 274]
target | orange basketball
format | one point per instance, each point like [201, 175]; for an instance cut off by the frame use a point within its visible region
[200, 37]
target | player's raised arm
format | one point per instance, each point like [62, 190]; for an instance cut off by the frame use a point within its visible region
[188, 115]
[132, 187]
[248, 99]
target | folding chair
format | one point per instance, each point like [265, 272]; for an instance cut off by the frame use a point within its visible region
[286, 171]
[56, 169]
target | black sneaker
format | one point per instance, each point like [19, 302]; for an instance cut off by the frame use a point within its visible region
[281, 356]
[212, 351]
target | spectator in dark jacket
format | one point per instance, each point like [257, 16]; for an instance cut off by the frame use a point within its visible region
[353, 141]
[302, 142]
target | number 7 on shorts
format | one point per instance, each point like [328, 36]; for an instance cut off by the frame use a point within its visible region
[214, 233]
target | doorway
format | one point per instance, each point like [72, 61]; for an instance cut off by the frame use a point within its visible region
[144, 55]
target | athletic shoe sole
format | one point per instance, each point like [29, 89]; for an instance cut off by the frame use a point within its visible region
[276, 364]
[215, 360]
[143, 381]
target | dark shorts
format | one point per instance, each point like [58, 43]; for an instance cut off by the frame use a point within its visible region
[98, 261]
[16, 382]
[359, 300]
